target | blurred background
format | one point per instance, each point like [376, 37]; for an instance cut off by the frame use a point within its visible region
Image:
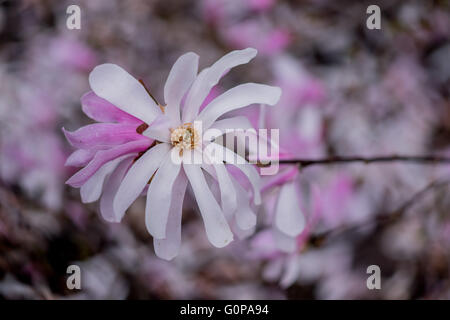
[347, 90]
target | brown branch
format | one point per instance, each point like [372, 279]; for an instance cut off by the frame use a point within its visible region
[429, 159]
[148, 91]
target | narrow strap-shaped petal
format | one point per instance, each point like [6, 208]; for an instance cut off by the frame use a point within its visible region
[159, 195]
[281, 178]
[228, 197]
[241, 129]
[289, 217]
[138, 176]
[247, 223]
[245, 217]
[101, 110]
[217, 229]
[249, 170]
[92, 189]
[181, 77]
[102, 134]
[209, 77]
[110, 189]
[169, 247]
[190, 111]
[80, 157]
[114, 84]
[239, 122]
[240, 233]
[103, 156]
[238, 97]
[160, 129]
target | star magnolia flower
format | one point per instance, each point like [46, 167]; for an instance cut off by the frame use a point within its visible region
[165, 168]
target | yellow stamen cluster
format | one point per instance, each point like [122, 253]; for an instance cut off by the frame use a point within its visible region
[185, 137]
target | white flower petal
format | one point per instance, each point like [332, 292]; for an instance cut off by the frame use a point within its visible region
[284, 242]
[217, 229]
[238, 97]
[91, 190]
[159, 195]
[292, 271]
[240, 233]
[289, 217]
[242, 130]
[160, 129]
[228, 197]
[239, 162]
[209, 77]
[273, 270]
[239, 122]
[242, 219]
[109, 192]
[245, 217]
[181, 77]
[138, 176]
[168, 248]
[190, 110]
[218, 171]
[114, 84]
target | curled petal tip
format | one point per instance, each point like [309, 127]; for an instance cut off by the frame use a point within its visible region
[70, 183]
[66, 133]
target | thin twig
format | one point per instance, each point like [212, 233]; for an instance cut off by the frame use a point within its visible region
[379, 159]
[148, 91]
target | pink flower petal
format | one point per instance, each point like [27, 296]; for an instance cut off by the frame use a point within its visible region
[110, 190]
[92, 189]
[80, 157]
[101, 110]
[281, 178]
[103, 156]
[102, 134]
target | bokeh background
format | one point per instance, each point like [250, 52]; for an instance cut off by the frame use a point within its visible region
[347, 90]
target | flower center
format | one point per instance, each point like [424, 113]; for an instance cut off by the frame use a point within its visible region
[185, 137]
